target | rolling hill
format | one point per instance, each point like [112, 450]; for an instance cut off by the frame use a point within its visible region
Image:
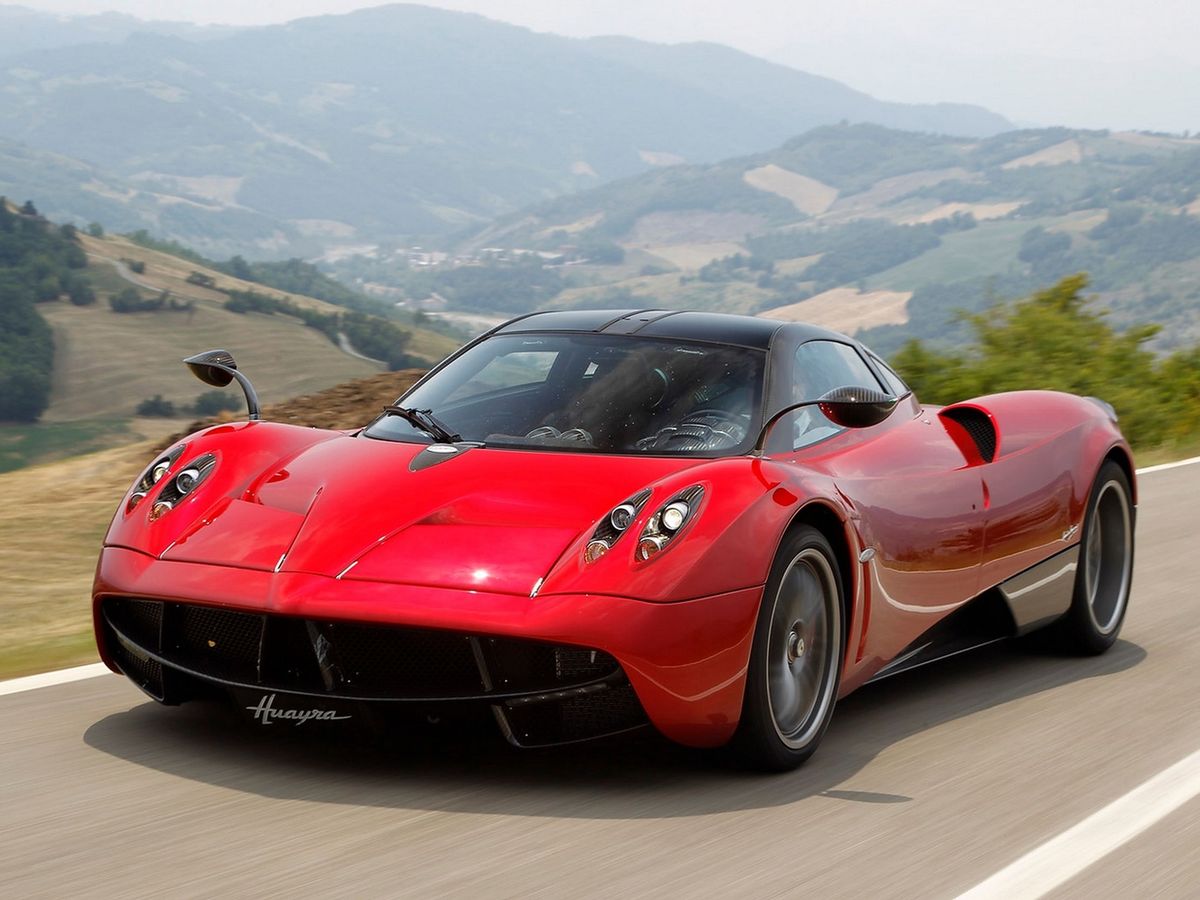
[105, 363]
[869, 229]
[341, 131]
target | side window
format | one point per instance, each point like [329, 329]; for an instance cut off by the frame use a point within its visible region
[821, 366]
[895, 384]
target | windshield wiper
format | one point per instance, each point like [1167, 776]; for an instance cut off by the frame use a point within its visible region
[425, 420]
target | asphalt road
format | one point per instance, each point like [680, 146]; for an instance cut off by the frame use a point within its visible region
[926, 785]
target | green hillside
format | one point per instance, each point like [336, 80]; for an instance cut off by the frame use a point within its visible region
[858, 227]
[92, 329]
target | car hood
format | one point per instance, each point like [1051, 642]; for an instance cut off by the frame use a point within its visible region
[362, 509]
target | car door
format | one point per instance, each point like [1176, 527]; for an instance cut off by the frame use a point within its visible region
[917, 502]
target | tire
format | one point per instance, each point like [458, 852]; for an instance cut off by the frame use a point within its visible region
[796, 659]
[1105, 569]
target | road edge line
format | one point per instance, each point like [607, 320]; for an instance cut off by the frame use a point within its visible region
[49, 679]
[1171, 465]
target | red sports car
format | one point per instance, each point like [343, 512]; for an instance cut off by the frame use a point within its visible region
[586, 521]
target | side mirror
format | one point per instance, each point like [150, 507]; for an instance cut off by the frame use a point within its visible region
[218, 368]
[847, 407]
[856, 407]
[212, 367]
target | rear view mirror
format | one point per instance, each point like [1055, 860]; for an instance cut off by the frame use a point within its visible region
[856, 407]
[218, 368]
[846, 407]
[212, 367]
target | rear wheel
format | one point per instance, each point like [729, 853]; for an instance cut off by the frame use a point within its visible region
[1105, 568]
[796, 660]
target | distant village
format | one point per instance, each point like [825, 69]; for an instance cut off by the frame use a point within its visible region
[419, 259]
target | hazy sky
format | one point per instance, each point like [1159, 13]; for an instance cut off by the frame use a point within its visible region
[1092, 63]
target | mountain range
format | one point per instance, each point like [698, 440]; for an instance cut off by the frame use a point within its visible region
[332, 133]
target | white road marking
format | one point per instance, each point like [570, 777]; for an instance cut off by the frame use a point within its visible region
[1170, 465]
[46, 679]
[1061, 858]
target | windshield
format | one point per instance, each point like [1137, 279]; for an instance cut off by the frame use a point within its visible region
[593, 393]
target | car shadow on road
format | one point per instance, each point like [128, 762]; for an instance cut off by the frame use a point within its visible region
[636, 776]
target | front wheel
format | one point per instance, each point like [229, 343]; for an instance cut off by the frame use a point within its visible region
[796, 660]
[1105, 568]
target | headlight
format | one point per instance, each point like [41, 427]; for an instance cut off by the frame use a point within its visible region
[188, 479]
[153, 475]
[183, 484]
[666, 524]
[615, 524]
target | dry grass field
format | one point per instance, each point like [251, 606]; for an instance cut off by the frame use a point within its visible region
[808, 195]
[873, 201]
[1070, 151]
[847, 310]
[52, 519]
[107, 362]
[164, 271]
[981, 211]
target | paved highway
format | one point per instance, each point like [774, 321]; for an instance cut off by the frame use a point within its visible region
[1010, 771]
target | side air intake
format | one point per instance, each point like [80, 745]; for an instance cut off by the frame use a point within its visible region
[978, 426]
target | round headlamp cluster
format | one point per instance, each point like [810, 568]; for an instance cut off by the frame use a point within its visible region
[621, 517]
[187, 479]
[615, 524]
[153, 475]
[665, 524]
[171, 488]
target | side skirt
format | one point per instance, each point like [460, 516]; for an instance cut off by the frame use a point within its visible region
[1041, 594]
[1028, 601]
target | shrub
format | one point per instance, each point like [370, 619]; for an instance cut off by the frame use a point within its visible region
[156, 406]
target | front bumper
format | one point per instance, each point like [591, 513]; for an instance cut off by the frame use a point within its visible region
[553, 668]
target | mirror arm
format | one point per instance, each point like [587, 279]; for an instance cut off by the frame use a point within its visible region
[761, 443]
[255, 412]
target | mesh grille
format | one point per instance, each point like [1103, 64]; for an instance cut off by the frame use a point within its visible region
[212, 640]
[593, 714]
[524, 666]
[978, 426]
[349, 659]
[391, 660]
[573, 665]
[601, 713]
[144, 672]
[141, 621]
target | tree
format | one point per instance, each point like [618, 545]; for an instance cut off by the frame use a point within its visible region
[95, 229]
[1038, 243]
[239, 268]
[28, 209]
[156, 406]
[212, 403]
[80, 292]
[1057, 340]
[128, 300]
